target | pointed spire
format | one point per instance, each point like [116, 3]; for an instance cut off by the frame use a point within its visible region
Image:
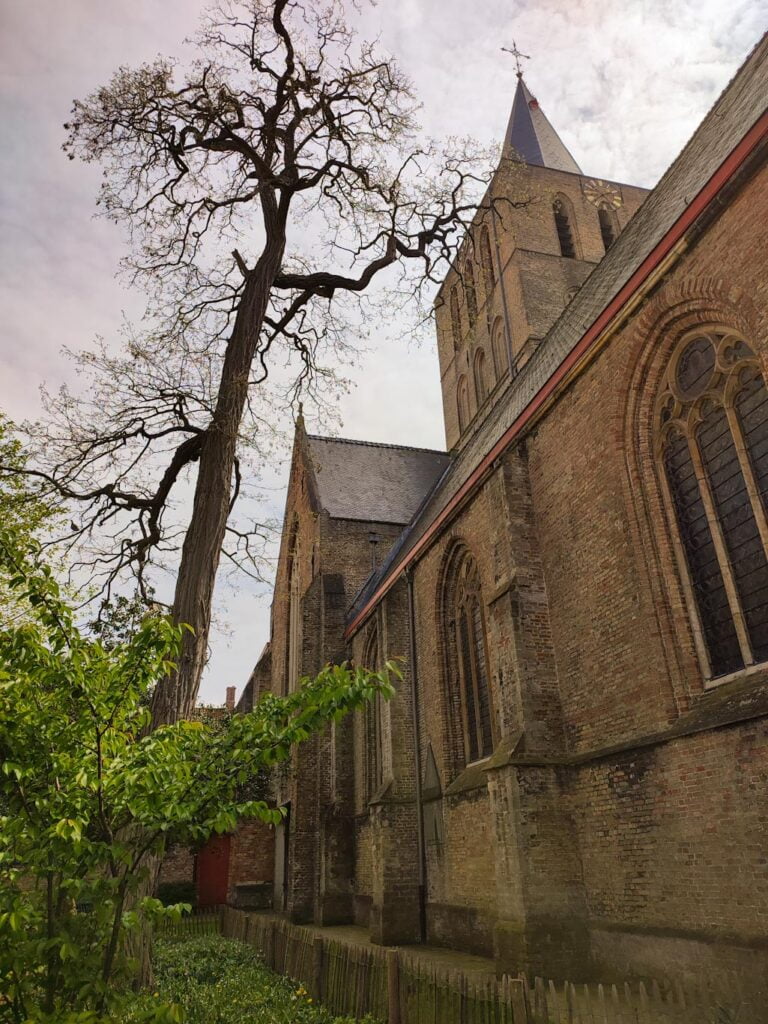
[531, 138]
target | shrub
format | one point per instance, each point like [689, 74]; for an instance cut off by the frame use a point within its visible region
[171, 893]
[220, 981]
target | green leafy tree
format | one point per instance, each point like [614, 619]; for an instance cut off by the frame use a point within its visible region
[89, 796]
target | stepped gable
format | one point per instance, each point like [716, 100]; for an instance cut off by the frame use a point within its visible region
[380, 483]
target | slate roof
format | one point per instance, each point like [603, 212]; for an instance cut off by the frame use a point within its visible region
[742, 103]
[380, 483]
[531, 138]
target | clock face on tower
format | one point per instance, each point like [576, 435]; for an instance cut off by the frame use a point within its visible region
[602, 193]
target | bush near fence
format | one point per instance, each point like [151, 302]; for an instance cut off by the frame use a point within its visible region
[401, 987]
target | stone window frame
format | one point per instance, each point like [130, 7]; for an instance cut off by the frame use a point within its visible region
[460, 598]
[677, 413]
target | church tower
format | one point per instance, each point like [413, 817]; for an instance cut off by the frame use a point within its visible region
[540, 230]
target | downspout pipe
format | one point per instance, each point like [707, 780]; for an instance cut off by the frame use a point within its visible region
[416, 719]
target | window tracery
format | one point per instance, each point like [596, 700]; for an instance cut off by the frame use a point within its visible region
[712, 444]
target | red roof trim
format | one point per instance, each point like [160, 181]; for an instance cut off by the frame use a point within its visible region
[694, 210]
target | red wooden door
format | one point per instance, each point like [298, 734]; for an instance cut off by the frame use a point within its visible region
[212, 872]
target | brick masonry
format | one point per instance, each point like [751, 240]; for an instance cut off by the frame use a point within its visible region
[621, 824]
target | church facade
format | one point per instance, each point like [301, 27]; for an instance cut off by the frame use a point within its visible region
[572, 777]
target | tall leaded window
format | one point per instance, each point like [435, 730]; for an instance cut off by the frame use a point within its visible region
[712, 421]
[467, 662]
[373, 723]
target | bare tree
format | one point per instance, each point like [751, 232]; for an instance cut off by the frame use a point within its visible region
[265, 187]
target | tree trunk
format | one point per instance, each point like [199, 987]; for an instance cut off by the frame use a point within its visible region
[175, 695]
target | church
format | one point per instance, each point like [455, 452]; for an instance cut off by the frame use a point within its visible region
[572, 777]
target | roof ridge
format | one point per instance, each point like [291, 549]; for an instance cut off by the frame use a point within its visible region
[376, 444]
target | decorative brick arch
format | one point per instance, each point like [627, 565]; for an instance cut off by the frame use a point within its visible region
[650, 343]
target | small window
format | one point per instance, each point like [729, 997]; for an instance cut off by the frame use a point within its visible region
[609, 228]
[564, 229]
[712, 418]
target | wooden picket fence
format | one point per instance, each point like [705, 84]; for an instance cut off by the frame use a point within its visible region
[203, 923]
[402, 987]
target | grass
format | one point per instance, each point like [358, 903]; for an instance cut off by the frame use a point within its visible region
[220, 981]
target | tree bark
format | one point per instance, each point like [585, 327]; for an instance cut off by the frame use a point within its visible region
[175, 695]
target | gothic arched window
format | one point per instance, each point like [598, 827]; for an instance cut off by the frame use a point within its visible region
[712, 424]
[293, 640]
[481, 384]
[561, 209]
[609, 225]
[499, 348]
[467, 661]
[489, 277]
[462, 401]
[373, 722]
[470, 291]
[455, 317]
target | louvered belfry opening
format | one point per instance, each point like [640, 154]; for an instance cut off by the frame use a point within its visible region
[713, 443]
[607, 226]
[564, 229]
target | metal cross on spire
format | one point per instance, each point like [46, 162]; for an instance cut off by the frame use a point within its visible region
[517, 54]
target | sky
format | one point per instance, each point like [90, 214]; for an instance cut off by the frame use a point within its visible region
[624, 84]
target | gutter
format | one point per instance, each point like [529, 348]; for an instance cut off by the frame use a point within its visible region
[657, 263]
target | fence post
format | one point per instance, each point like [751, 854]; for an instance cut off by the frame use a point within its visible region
[518, 988]
[393, 987]
[317, 968]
